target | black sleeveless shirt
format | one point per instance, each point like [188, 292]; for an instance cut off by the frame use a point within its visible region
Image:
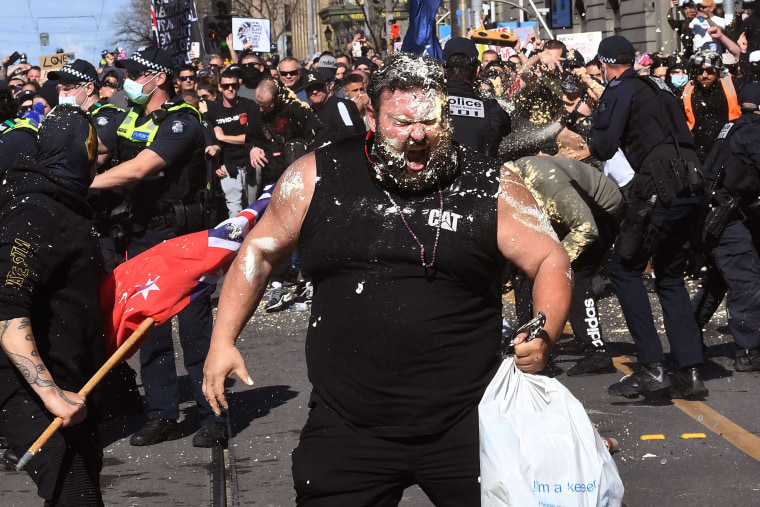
[394, 348]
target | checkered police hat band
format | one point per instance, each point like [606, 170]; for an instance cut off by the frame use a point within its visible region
[71, 71]
[142, 61]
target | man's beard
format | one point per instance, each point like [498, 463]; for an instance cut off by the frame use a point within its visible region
[441, 165]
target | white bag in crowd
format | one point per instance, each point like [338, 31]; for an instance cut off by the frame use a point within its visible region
[539, 448]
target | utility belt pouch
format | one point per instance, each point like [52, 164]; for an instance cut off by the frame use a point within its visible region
[189, 217]
[717, 219]
[695, 181]
[638, 236]
[666, 184]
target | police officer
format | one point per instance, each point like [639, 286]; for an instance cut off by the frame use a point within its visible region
[18, 136]
[642, 117]
[157, 155]
[732, 226]
[78, 85]
[479, 124]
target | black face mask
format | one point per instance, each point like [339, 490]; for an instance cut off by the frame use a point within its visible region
[251, 76]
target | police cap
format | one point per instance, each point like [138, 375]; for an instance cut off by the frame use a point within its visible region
[616, 49]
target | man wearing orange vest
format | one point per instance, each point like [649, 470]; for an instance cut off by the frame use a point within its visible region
[708, 107]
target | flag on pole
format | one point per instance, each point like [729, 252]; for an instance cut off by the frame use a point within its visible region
[163, 280]
[421, 35]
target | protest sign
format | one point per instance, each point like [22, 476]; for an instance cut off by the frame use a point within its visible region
[251, 31]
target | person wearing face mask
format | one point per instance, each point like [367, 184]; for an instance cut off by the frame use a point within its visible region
[641, 116]
[157, 154]
[78, 86]
[252, 71]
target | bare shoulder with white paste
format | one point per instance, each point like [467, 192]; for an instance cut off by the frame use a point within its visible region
[524, 233]
[281, 223]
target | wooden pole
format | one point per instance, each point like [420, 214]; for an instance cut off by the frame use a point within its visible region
[115, 359]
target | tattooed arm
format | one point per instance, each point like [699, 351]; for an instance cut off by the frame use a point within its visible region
[17, 341]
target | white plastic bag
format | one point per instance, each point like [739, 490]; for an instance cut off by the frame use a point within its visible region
[539, 448]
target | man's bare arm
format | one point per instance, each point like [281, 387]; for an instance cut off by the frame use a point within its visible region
[526, 239]
[131, 171]
[270, 241]
[17, 341]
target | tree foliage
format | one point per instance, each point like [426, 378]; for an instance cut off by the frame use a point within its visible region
[133, 25]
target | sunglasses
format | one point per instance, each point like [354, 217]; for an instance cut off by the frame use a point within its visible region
[710, 70]
[290, 73]
[213, 66]
[109, 84]
[227, 86]
[137, 74]
[186, 78]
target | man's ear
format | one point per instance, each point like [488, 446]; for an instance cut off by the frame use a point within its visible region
[371, 116]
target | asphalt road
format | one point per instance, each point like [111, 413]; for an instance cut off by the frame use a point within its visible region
[664, 470]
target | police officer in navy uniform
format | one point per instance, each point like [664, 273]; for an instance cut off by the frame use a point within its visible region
[479, 124]
[732, 227]
[18, 136]
[157, 151]
[642, 117]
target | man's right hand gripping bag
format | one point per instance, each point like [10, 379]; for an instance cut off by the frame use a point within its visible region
[539, 448]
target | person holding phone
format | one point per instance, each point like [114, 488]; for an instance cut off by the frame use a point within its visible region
[705, 19]
[359, 46]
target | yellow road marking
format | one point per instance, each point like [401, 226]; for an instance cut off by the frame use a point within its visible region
[693, 435]
[652, 437]
[740, 438]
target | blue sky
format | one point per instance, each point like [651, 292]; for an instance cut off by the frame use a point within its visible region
[82, 26]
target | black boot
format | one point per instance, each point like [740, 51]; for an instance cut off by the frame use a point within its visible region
[10, 459]
[646, 378]
[156, 431]
[747, 360]
[595, 361]
[212, 435]
[687, 384]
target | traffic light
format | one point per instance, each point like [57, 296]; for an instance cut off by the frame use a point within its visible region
[221, 7]
[216, 29]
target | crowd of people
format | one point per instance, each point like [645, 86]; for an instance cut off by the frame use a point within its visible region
[481, 170]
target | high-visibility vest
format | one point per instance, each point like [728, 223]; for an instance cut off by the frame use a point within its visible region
[734, 111]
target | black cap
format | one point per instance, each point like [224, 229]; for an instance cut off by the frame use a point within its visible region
[49, 92]
[327, 73]
[460, 45]
[151, 57]
[313, 80]
[750, 94]
[25, 95]
[616, 49]
[363, 60]
[77, 71]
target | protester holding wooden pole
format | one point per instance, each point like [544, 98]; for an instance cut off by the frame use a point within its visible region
[51, 333]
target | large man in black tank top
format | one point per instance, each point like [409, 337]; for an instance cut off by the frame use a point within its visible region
[404, 233]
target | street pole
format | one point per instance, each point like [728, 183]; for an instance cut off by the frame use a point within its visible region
[458, 17]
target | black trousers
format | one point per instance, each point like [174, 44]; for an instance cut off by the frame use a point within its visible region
[67, 471]
[336, 466]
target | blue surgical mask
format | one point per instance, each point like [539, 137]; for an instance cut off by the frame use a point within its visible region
[134, 90]
[71, 100]
[679, 81]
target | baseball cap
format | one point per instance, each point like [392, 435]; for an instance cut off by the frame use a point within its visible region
[316, 56]
[327, 62]
[25, 95]
[148, 58]
[750, 94]
[616, 49]
[78, 70]
[327, 73]
[707, 3]
[313, 80]
[460, 45]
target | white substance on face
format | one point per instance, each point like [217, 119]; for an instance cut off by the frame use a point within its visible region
[569, 274]
[359, 287]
